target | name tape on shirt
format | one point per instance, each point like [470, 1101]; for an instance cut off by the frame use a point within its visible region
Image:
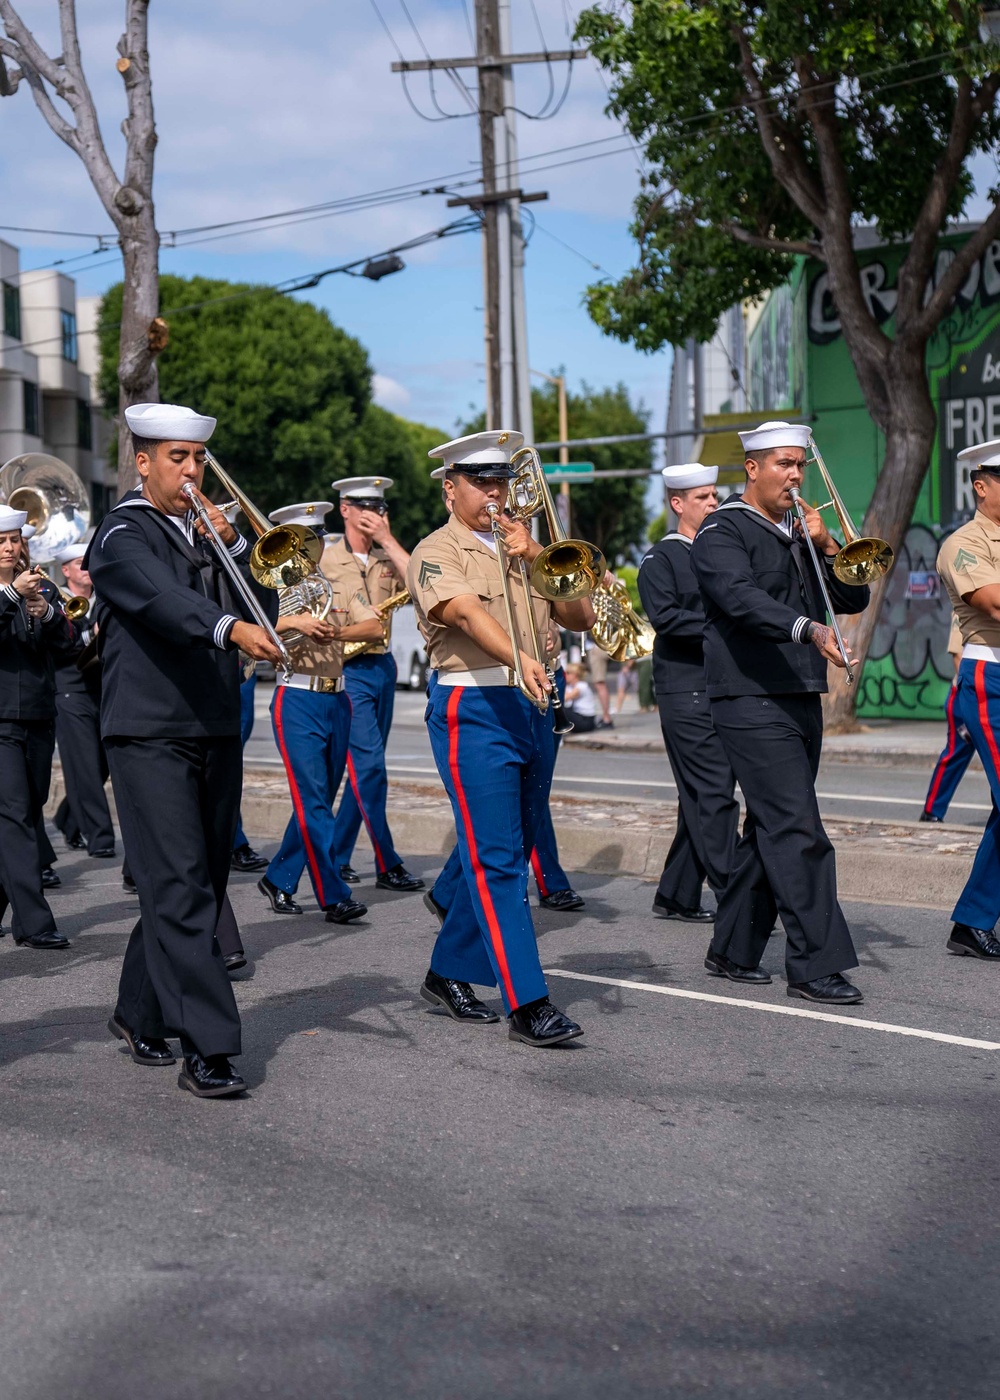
[427, 572]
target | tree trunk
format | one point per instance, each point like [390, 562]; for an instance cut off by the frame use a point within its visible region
[138, 380]
[908, 446]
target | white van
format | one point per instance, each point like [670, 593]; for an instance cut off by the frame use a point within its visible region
[408, 650]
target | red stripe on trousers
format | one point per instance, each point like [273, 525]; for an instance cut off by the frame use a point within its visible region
[536, 866]
[353, 777]
[948, 754]
[492, 922]
[984, 714]
[300, 812]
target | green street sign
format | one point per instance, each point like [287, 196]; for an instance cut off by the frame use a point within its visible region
[569, 467]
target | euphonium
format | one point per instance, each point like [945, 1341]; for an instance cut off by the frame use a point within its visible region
[619, 630]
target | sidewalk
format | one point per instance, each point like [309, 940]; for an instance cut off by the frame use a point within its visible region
[878, 740]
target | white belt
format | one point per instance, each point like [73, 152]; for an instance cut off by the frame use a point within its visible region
[972, 651]
[485, 676]
[322, 685]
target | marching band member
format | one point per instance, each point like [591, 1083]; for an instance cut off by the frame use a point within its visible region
[170, 719]
[707, 811]
[969, 565]
[958, 751]
[767, 646]
[83, 813]
[492, 746]
[370, 560]
[554, 889]
[34, 635]
[311, 716]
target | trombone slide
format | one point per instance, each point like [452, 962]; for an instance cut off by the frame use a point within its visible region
[818, 567]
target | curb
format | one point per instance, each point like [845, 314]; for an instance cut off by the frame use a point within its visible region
[832, 753]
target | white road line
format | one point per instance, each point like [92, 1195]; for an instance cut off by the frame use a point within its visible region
[778, 1010]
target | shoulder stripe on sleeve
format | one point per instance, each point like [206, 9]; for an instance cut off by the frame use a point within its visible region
[107, 536]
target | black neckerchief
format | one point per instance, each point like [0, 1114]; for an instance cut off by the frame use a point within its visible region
[793, 543]
[214, 582]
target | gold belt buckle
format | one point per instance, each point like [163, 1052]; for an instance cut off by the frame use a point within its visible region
[324, 685]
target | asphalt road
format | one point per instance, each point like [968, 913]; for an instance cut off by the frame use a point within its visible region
[700, 1198]
[847, 790]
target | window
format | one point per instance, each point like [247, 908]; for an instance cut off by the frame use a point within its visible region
[32, 417]
[11, 311]
[84, 429]
[68, 319]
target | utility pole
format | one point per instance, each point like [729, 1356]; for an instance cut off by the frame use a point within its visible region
[508, 384]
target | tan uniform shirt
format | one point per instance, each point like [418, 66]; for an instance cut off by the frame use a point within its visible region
[970, 559]
[377, 580]
[453, 562]
[312, 658]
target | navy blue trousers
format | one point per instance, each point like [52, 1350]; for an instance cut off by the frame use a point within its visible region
[247, 692]
[549, 874]
[311, 731]
[977, 706]
[952, 762]
[495, 755]
[370, 682]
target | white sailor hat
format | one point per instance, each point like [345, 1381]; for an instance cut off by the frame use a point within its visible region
[28, 531]
[309, 513]
[775, 434]
[983, 456]
[71, 552]
[12, 519]
[169, 422]
[480, 454]
[689, 474]
[364, 488]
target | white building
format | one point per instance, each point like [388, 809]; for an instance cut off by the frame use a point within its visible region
[706, 382]
[48, 375]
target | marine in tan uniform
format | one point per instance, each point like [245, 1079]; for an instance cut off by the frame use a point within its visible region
[369, 559]
[311, 716]
[492, 745]
[969, 565]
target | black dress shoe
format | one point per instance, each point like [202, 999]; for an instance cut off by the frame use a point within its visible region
[971, 942]
[234, 961]
[438, 910]
[345, 911]
[926, 817]
[399, 879]
[145, 1050]
[540, 1023]
[210, 1077]
[105, 853]
[76, 842]
[279, 901]
[561, 900]
[457, 999]
[664, 909]
[719, 966]
[128, 885]
[245, 859]
[50, 880]
[834, 990]
[50, 939]
[349, 875]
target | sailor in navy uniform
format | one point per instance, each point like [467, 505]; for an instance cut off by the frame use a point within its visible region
[83, 816]
[34, 635]
[170, 633]
[767, 647]
[492, 746]
[707, 811]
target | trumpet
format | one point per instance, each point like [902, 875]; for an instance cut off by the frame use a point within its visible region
[74, 605]
[863, 557]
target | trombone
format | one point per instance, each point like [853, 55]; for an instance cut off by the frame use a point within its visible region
[74, 605]
[818, 567]
[863, 557]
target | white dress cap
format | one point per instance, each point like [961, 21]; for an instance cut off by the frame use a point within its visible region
[308, 513]
[982, 454]
[439, 473]
[364, 487]
[775, 434]
[477, 451]
[169, 422]
[689, 474]
[73, 551]
[12, 519]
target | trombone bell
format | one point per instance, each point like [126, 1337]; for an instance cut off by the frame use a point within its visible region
[567, 570]
[863, 560]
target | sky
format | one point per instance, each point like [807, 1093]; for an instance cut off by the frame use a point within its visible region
[265, 108]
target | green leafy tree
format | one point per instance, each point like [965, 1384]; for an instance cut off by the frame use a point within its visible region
[610, 514]
[772, 131]
[291, 392]
[657, 527]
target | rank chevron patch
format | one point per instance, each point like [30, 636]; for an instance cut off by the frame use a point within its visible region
[427, 572]
[964, 561]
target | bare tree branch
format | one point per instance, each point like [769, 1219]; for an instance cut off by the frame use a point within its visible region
[806, 247]
[31, 52]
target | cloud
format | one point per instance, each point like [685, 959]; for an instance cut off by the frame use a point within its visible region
[389, 393]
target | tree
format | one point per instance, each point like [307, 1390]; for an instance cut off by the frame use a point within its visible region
[610, 514]
[291, 392]
[128, 201]
[774, 131]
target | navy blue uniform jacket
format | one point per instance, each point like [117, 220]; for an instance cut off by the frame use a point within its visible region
[761, 592]
[672, 601]
[28, 655]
